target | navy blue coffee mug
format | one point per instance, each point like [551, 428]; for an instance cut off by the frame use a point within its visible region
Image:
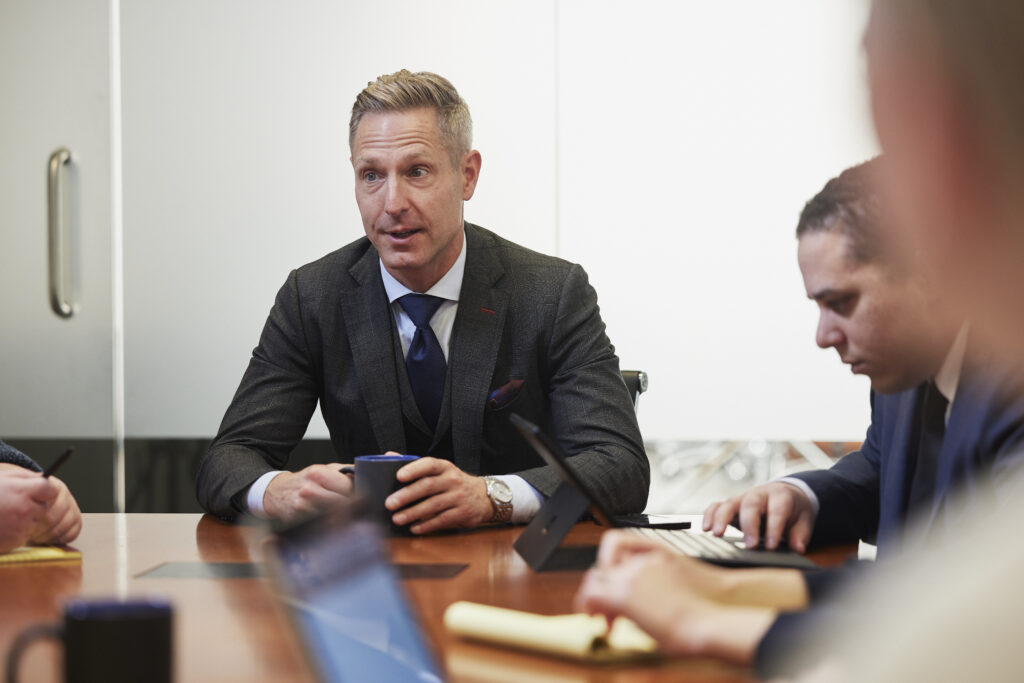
[108, 641]
[375, 480]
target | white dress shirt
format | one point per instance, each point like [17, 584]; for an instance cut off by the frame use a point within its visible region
[526, 500]
[947, 379]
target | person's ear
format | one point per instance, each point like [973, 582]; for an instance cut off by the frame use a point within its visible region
[470, 171]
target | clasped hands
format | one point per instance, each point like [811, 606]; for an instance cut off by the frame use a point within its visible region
[437, 495]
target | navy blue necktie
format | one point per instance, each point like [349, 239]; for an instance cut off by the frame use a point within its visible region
[425, 360]
[926, 465]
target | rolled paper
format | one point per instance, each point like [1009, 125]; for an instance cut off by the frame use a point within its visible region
[577, 636]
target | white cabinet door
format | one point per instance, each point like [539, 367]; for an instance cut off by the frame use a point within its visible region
[55, 373]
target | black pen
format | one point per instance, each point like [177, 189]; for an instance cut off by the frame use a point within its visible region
[58, 462]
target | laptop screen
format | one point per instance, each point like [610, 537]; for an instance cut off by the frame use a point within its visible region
[351, 613]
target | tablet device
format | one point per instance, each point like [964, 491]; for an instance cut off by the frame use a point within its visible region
[346, 604]
[539, 543]
[553, 456]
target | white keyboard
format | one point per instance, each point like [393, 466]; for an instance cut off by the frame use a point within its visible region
[722, 551]
[694, 544]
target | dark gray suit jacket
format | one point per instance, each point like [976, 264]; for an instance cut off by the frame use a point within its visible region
[524, 316]
[11, 455]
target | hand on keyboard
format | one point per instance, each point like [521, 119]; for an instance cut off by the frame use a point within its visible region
[770, 512]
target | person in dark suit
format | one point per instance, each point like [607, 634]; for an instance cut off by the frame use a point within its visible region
[422, 338]
[885, 321]
[922, 456]
[33, 509]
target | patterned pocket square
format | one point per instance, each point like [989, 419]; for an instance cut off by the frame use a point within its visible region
[503, 396]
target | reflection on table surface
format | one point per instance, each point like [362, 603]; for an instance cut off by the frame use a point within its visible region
[233, 629]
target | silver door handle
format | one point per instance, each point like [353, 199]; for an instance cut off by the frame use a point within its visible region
[55, 220]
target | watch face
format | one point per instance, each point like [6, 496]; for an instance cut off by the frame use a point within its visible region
[499, 491]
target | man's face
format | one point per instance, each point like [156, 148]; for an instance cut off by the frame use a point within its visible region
[877, 322]
[410, 194]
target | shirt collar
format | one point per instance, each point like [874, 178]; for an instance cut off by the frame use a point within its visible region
[947, 379]
[448, 287]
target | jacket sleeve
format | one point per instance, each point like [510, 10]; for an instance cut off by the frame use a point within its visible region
[269, 413]
[794, 639]
[12, 456]
[848, 492]
[591, 413]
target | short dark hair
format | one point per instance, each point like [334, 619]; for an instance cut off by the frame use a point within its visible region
[849, 204]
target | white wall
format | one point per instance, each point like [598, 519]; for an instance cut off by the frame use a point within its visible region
[237, 164]
[690, 136]
[667, 146]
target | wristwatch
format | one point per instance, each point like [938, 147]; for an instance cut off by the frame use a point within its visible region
[501, 499]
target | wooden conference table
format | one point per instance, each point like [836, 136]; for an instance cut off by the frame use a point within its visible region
[232, 629]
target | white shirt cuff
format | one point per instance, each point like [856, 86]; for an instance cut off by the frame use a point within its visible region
[254, 499]
[526, 500]
[808, 491]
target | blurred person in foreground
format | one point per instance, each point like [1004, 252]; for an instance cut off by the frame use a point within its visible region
[947, 83]
[948, 97]
[33, 509]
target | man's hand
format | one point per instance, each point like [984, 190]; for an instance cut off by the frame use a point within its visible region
[25, 497]
[62, 521]
[785, 508]
[440, 496]
[291, 495]
[656, 589]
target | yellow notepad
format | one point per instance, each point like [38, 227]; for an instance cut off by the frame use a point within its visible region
[577, 636]
[41, 553]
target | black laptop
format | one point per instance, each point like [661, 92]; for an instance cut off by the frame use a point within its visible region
[539, 543]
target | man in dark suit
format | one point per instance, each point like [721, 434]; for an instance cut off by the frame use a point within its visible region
[885, 322]
[422, 338]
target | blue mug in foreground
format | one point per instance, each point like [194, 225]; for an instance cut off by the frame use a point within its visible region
[375, 480]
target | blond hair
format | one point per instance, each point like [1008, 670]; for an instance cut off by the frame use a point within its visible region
[404, 90]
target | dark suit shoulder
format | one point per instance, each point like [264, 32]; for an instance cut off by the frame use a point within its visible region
[336, 266]
[511, 252]
[516, 268]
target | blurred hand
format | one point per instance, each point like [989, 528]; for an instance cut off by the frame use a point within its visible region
[439, 496]
[650, 586]
[784, 507]
[292, 495]
[707, 580]
[645, 587]
[670, 597]
[62, 521]
[25, 498]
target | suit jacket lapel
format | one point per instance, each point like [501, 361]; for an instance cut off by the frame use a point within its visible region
[368, 321]
[476, 339]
